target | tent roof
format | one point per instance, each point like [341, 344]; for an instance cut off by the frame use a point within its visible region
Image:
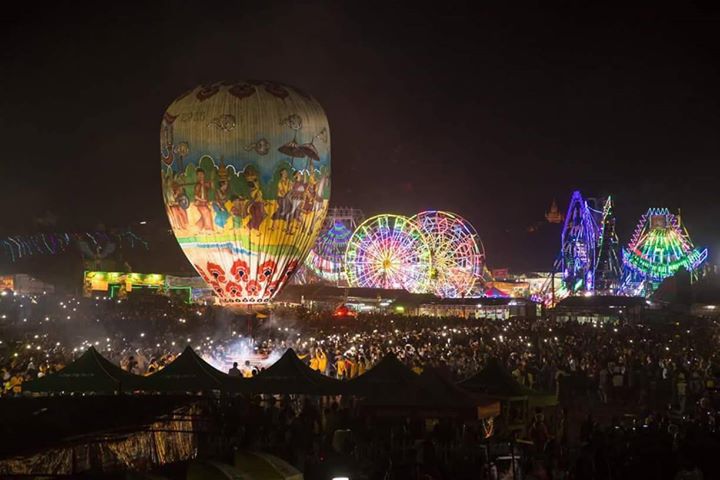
[290, 375]
[392, 388]
[91, 372]
[389, 375]
[190, 373]
[496, 381]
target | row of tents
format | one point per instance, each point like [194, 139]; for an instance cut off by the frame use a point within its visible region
[389, 386]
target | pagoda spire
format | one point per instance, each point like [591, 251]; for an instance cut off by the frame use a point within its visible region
[554, 215]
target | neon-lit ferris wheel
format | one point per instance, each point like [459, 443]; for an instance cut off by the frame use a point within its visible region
[456, 251]
[326, 261]
[389, 251]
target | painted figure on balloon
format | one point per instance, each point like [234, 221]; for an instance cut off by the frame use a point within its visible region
[222, 194]
[256, 205]
[310, 193]
[237, 210]
[202, 202]
[178, 205]
[297, 197]
[284, 200]
[319, 202]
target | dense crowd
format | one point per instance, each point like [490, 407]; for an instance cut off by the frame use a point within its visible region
[664, 374]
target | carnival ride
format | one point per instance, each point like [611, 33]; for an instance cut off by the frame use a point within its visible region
[607, 265]
[389, 251]
[658, 249]
[589, 262]
[326, 260]
[588, 259]
[457, 254]
[579, 246]
[432, 252]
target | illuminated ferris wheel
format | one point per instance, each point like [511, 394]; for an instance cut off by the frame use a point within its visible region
[326, 261]
[388, 251]
[457, 253]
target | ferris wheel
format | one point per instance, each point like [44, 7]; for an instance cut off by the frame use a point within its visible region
[326, 261]
[389, 251]
[458, 256]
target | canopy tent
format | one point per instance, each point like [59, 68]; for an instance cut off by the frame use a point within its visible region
[388, 376]
[90, 373]
[390, 388]
[190, 373]
[289, 375]
[496, 381]
[447, 393]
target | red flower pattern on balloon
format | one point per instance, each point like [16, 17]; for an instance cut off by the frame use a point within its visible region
[253, 288]
[276, 90]
[271, 288]
[240, 270]
[216, 272]
[241, 90]
[202, 273]
[266, 270]
[207, 91]
[234, 289]
[290, 269]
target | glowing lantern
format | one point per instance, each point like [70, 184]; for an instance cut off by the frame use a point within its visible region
[246, 182]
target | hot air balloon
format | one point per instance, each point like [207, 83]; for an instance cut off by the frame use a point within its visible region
[246, 183]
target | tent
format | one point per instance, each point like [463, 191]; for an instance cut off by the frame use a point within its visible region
[391, 389]
[90, 373]
[388, 376]
[190, 373]
[448, 394]
[495, 381]
[289, 375]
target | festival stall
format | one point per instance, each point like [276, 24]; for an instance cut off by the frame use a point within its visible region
[90, 373]
[516, 400]
[290, 375]
[392, 389]
[190, 373]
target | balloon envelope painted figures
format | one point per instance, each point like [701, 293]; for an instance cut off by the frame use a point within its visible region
[246, 182]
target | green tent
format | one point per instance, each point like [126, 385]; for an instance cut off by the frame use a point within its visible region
[190, 373]
[496, 381]
[290, 375]
[517, 400]
[388, 376]
[90, 373]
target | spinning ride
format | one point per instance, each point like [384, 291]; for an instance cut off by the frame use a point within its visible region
[326, 261]
[579, 246]
[607, 266]
[659, 248]
[457, 254]
[389, 251]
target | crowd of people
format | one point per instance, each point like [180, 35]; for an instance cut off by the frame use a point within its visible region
[663, 374]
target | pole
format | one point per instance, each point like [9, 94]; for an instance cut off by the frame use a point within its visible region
[512, 457]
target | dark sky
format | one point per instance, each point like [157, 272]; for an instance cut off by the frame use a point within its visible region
[489, 113]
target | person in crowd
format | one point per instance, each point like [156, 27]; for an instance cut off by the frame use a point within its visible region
[235, 371]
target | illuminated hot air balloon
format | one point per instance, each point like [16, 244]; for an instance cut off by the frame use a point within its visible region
[246, 182]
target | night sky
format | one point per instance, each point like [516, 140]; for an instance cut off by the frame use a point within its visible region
[489, 113]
